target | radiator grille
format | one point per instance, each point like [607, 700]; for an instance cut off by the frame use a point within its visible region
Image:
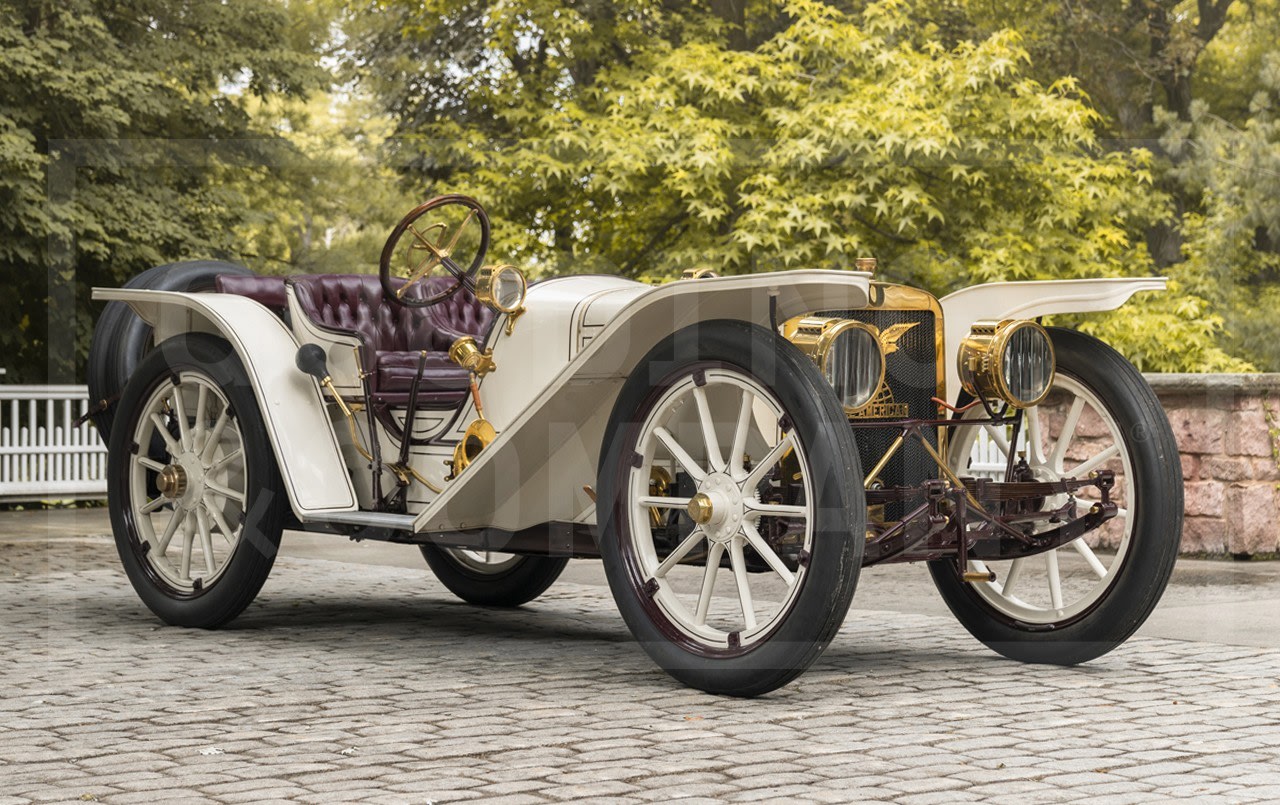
[912, 377]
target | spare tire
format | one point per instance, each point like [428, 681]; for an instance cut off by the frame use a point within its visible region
[121, 339]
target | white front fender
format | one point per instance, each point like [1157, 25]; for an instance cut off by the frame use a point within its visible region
[292, 407]
[548, 440]
[1028, 300]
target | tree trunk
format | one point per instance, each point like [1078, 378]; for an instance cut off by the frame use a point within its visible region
[733, 12]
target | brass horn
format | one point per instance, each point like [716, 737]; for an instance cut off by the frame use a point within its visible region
[477, 437]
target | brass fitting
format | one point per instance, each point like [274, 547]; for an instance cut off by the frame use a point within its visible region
[468, 355]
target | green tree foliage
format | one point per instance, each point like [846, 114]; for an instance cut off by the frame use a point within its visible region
[1233, 232]
[645, 137]
[328, 205]
[124, 137]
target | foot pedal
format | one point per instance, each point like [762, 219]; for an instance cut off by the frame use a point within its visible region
[974, 576]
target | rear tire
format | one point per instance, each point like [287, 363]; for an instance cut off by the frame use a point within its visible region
[493, 580]
[121, 338]
[198, 552]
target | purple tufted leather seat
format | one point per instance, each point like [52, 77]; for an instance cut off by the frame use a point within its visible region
[266, 291]
[393, 334]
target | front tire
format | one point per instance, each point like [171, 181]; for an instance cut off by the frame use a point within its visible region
[787, 527]
[196, 499]
[1078, 602]
[493, 579]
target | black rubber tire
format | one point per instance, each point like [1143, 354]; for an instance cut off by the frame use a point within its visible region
[820, 605]
[266, 505]
[519, 584]
[1156, 509]
[120, 338]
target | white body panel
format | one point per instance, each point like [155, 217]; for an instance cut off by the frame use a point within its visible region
[1027, 300]
[545, 340]
[558, 375]
[551, 416]
[295, 413]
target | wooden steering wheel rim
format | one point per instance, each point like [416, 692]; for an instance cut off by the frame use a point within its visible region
[462, 276]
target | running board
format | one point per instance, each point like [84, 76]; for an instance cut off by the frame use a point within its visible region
[394, 522]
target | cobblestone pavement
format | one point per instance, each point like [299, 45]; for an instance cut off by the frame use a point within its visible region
[362, 683]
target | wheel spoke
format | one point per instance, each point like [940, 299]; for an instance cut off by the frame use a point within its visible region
[1097, 461]
[767, 463]
[663, 503]
[1055, 578]
[1067, 435]
[215, 436]
[150, 463]
[740, 431]
[739, 563]
[681, 551]
[180, 413]
[225, 460]
[757, 509]
[708, 429]
[162, 544]
[1001, 440]
[221, 522]
[188, 537]
[1084, 550]
[206, 541]
[767, 553]
[152, 505]
[1011, 578]
[163, 430]
[1035, 445]
[219, 489]
[202, 401]
[708, 582]
[678, 453]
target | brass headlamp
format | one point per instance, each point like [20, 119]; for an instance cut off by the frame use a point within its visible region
[848, 353]
[503, 288]
[1010, 360]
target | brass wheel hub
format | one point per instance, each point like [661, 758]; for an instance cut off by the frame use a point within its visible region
[172, 481]
[700, 508]
[718, 507]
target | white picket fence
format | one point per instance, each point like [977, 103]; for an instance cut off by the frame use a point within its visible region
[43, 456]
[986, 460]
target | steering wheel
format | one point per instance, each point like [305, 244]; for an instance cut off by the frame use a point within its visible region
[455, 222]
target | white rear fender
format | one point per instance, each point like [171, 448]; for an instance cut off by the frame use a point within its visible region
[1029, 300]
[292, 407]
[558, 376]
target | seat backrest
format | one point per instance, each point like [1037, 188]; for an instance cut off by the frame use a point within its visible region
[266, 291]
[459, 315]
[355, 302]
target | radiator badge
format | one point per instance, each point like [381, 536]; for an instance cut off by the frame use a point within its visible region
[884, 406]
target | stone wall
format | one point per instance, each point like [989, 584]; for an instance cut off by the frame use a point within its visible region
[1228, 431]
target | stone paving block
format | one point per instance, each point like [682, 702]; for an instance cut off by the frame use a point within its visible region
[331, 702]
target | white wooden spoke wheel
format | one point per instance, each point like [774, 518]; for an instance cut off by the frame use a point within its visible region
[197, 502]
[1058, 584]
[731, 508]
[485, 562]
[712, 433]
[493, 578]
[1078, 601]
[188, 498]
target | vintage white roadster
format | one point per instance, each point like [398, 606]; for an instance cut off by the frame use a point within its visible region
[735, 449]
